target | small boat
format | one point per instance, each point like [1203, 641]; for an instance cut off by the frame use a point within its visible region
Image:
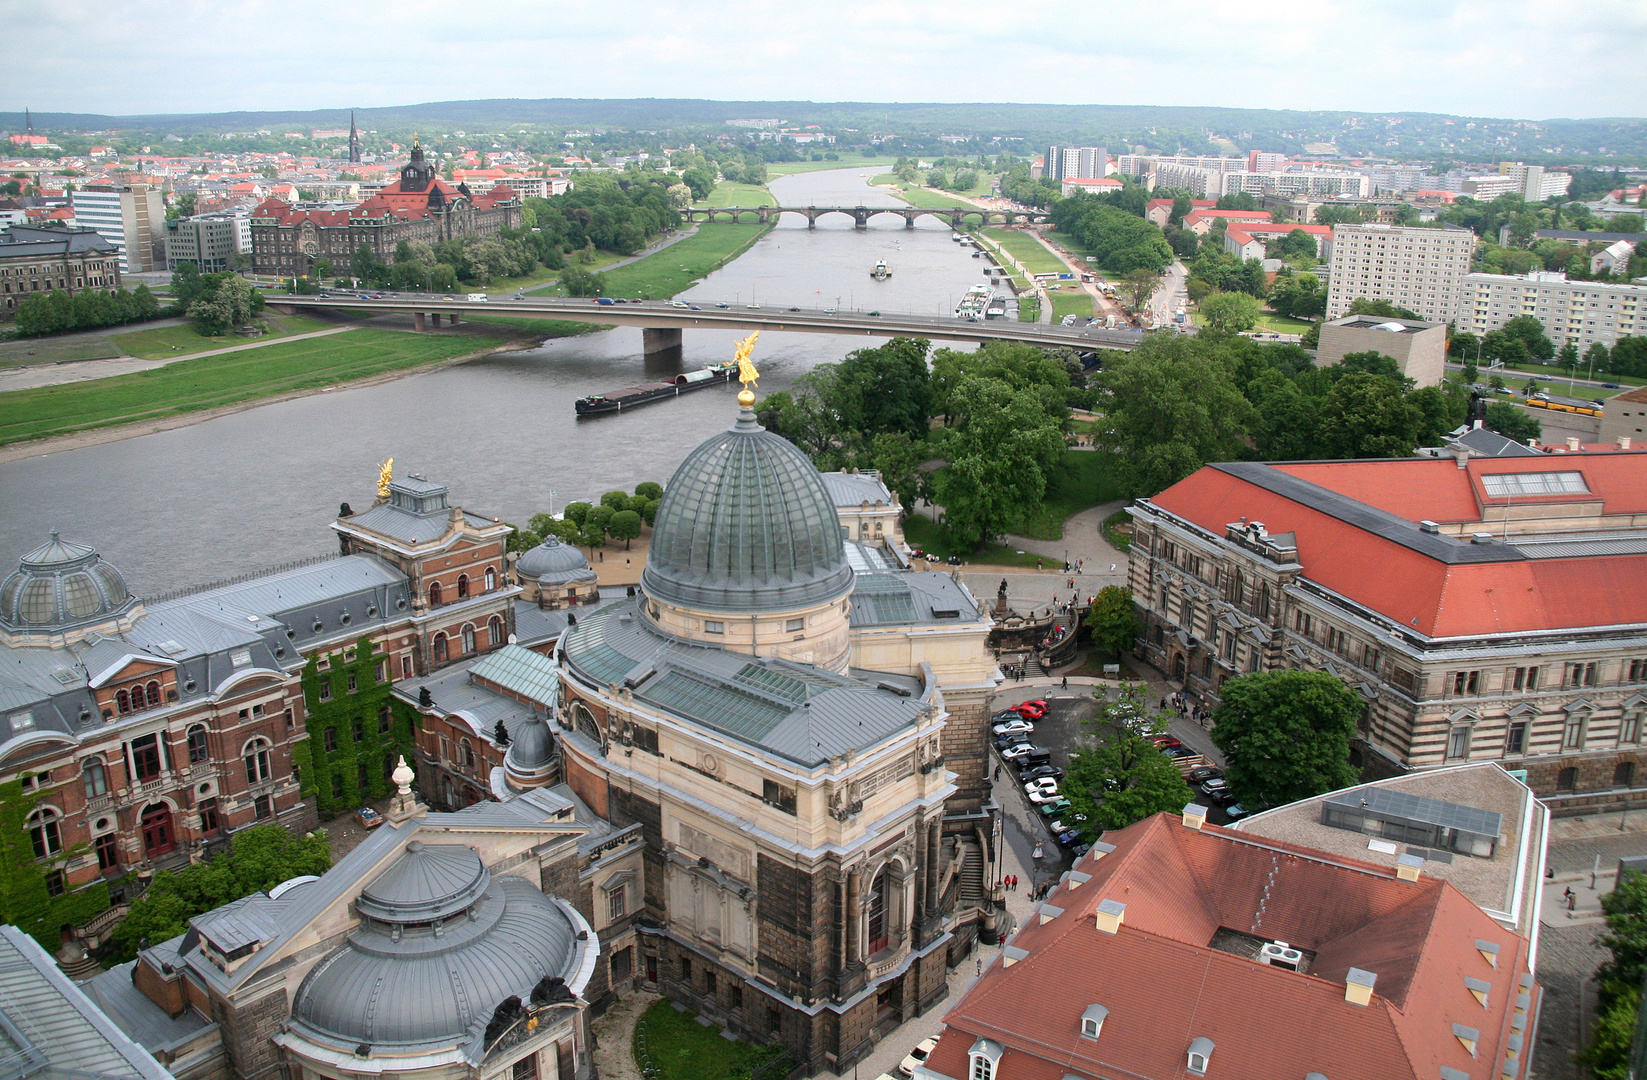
[634, 396]
[881, 271]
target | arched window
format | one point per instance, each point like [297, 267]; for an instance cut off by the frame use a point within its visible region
[463, 585]
[154, 693]
[468, 755]
[876, 928]
[440, 648]
[198, 750]
[156, 824]
[468, 640]
[491, 579]
[123, 702]
[434, 594]
[44, 833]
[256, 757]
[95, 777]
[494, 631]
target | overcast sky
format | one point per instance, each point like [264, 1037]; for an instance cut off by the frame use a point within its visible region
[1533, 59]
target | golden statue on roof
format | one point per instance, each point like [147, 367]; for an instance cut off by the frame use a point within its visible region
[746, 369]
[385, 473]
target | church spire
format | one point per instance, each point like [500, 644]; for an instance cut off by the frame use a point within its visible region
[28, 121]
[354, 140]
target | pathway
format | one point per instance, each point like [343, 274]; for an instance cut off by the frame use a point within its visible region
[1101, 304]
[82, 370]
[615, 1036]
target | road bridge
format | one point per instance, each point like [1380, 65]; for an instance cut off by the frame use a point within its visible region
[957, 216]
[663, 321]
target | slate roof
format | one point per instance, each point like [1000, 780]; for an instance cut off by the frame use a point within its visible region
[35, 242]
[51, 1027]
[851, 490]
[796, 711]
[456, 696]
[1164, 985]
[911, 597]
[135, 1014]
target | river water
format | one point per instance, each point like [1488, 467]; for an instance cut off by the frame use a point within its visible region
[244, 491]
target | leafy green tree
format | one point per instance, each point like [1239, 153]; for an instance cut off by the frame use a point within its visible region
[592, 535]
[522, 539]
[1297, 244]
[364, 263]
[1530, 332]
[1140, 286]
[700, 180]
[1286, 735]
[1369, 416]
[1113, 619]
[1625, 909]
[26, 899]
[1231, 312]
[625, 525]
[1612, 1036]
[649, 490]
[1495, 382]
[185, 284]
[1381, 308]
[1596, 357]
[1117, 776]
[1238, 200]
[1298, 296]
[616, 500]
[580, 282]
[598, 516]
[1000, 454]
[1470, 372]
[1513, 422]
[576, 512]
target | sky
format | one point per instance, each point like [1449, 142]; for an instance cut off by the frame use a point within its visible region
[1529, 59]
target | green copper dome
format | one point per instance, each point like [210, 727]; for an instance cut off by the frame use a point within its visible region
[746, 525]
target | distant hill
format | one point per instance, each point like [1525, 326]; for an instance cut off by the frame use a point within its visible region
[1159, 128]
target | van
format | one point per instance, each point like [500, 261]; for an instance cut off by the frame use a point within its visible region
[477, 298]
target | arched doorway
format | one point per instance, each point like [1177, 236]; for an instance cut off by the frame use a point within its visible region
[159, 838]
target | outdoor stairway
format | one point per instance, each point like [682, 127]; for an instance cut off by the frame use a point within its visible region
[972, 877]
[79, 970]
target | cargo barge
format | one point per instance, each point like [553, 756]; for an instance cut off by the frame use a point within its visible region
[631, 397]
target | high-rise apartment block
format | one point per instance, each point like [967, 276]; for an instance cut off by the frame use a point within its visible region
[1341, 185]
[1419, 269]
[131, 217]
[1260, 162]
[1075, 163]
[1580, 312]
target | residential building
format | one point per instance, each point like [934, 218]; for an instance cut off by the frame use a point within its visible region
[42, 258]
[1580, 312]
[208, 240]
[443, 947]
[1580, 238]
[129, 216]
[1337, 185]
[1075, 163]
[798, 727]
[1466, 599]
[1158, 212]
[1420, 269]
[1488, 187]
[1095, 186]
[1624, 418]
[1259, 161]
[1200, 222]
[1176, 948]
[1247, 239]
[289, 239]
[1418, 348]
[1613, 259]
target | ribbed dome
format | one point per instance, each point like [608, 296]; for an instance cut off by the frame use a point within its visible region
[428, 882]
[746, 525]
[60, 585]
[531, 747]
[554, 562]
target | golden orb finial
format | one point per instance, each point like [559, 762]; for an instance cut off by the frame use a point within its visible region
[746, 370]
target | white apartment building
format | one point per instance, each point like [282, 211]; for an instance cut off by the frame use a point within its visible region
[1338, 185]
[132, 217]
[1580, 312]
[1075, 162]
[1419, 269]
[1531, 182]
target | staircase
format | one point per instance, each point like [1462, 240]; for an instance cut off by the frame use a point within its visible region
[972, 877]
[76, 964]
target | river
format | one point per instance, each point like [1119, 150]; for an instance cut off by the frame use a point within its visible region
[236, 493]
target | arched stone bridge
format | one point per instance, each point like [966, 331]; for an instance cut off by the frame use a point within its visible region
[957, 216]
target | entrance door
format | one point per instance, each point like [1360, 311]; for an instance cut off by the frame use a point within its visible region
[158, 836]
[651, 969]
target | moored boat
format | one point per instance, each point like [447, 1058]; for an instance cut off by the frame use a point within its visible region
[880, 271]
[634, 396]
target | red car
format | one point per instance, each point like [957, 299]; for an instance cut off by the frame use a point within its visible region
[1165, 742]
[1030, 710]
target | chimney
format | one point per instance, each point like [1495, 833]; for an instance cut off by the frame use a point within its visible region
[1624, 442]
[1461, 455]
[1110, 915]
[1408, 866]
[1195, 816]
[1428, 526]
[1358, 986]
[1573, 444]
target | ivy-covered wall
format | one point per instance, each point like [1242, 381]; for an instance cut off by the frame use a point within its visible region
[342, 761]
[24, 898]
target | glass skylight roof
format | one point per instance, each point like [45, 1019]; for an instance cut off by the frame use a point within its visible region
[1509, 485]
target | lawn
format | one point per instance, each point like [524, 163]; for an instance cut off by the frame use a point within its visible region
[923, 533]
[927, 199]
[164, 342]
[1027, 250]
[47, 350]
[1118, 529]
[1067, 302]
[1086, 479]
[790, 168]
[674, 269]
[672, 1045]
[1276, 324]
[212, 381]
[727, 193]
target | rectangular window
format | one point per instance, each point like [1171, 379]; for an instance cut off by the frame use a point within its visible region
[712, 627]
[326, 691]
[55, 884]
[331, 739]
[1629, 729]
[1371, 658]
[1638, 670]
[525, 1069]
[778, 796]
[617, 902]
[1581, 674]
[686, 969]
[1303, 623]
[108, 852]
[1338, 641]
[263, 807]
[354, 684]
[623, 963]
[1466, 683]
[406, 667]
[794, 626]
[1458, 743]
[735, 992]
[146, 757]
[208, 815]
[710, 983]
[1526, 678]
[1572, 736]
[1516, 740]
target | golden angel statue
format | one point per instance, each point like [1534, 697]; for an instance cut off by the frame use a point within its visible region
[746, 369]
[385, 473]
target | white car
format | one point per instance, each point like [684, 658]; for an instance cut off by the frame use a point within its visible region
[916, 1056]
[1013, 727]
[1046, 785]
[1040, 797]
[1013, 753]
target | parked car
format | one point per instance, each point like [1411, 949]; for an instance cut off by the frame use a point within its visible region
[1069, 838]
[1057, 806]
[1221, 797]
[1235, 811]
[1214, 784]
[1008, 715]
[1204, 772]
[1040, 771]
[1164, 741]
[1030, 711]
[1020, 750]
[916, 1056]
[368, 818]
[1013, 727]
[1045, 786]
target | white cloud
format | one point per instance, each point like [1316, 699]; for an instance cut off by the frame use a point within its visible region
[1523, 58]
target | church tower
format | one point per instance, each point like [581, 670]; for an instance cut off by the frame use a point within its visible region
[354, 140]
[417, 174]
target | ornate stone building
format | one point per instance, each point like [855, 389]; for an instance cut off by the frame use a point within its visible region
[796, 727]
[1486, 608]
[42, 259]
[288, 240]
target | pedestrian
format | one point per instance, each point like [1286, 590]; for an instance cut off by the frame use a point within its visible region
[1065, 684]
[1572, 900]
[1112, 568]
[997, 772]
[1039, 852]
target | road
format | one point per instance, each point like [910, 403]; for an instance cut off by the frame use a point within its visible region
[1169, 295]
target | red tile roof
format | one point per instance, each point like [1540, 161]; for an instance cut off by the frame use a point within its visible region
[1487, 591]
[1165, 987]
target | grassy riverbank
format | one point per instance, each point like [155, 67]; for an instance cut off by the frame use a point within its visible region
[1027, 250]
[216, 381]
[727, 193]
[165, 342]
[674, 269]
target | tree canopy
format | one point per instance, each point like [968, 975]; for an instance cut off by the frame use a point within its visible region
[1286, 735]
[1116, 775]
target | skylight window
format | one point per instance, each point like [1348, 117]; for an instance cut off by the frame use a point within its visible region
[1509, 485]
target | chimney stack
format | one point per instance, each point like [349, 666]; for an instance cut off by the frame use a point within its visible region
[1408, 866]
[1358, 986]
[1573, 444]
[1195, 815]
[1110, 915]
[1624, 442]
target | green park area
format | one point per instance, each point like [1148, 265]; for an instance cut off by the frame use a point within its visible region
[1071, 301]
[165, 342]
[926, 198]
[790, 168]
[673, 1045]
[230, 379]
[728, 193]
[26, 352]
[1027, 250]
[675, 268]
[1269, 320]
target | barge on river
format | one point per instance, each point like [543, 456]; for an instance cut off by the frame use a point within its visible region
[631, 397]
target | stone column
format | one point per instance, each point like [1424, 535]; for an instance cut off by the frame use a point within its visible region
[854, 889]
[934, 847]
[418, 323]
[660, 339]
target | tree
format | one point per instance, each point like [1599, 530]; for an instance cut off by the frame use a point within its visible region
[625, 525]
[1140, 286]
[576, 512]
[363, 263]
[592, 535]
[1382, 308]
[1113, 619]
[185, 284]
[1231, 312]
[1369, 415]
[1512, 422]
[1238, 200]
[1530, 332]
[1286, 735]
[1612, 1036]
[580, 282]
[1000, 454]
[649, 490]
[1118, 776]
[616, 500]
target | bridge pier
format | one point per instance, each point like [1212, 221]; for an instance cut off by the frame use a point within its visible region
[434, 320]
[454, 318]
[860, 221]
[909, 221]
[660, 339]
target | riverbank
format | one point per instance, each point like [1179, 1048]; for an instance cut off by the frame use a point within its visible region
[682, 265]
[56, 418]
